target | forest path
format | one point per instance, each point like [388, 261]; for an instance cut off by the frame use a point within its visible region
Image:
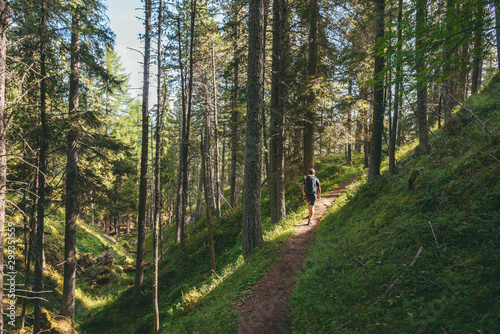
[265, 310]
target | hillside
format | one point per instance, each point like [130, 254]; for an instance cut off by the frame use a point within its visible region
[414, 258]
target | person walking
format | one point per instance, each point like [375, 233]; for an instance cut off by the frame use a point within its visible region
[311, 191]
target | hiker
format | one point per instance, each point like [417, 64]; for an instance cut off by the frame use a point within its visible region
[311, 191]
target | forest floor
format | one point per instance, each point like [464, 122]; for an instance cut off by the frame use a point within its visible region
[265, 309]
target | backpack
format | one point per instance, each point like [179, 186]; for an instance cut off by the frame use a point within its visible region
[311, 185]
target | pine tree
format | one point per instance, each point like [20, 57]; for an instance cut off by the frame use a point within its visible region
[252, 228]
[141, 220]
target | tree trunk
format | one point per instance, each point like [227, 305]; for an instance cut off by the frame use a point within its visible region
[157, 201]
[276, 176]
[312, 71]
[185, 140]
[252, 228]
[477, 51]
[399, 80]
[178, 207]
[378, 99]
[4, 25]
[349, 126]
[42, 172]
[216, 137]
[143, 183]
[235, 112]
[421, 111]
[448, 83]
[497, 30]
[204, 153]
[68, 297]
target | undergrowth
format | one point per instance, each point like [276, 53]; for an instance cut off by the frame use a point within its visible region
[359, 275]
[192, 298]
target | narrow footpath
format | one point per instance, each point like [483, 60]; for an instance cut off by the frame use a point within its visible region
[266, 310]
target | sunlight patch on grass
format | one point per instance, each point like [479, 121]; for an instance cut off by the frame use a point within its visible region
[195, 295]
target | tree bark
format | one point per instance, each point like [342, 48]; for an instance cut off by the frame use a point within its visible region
[42, 171]
[276, 176]
[143, 182]
[157, 201]
[448, 83]
[4, 25]
[234, 111]
[182, 130]
[378, 100]
[497, 30]
[312, 72]
[252, 228]
[68, 297]
[478, 50]
[216, 137]
[185, 140]
[399, 80]
[421, 112]
[204, 154]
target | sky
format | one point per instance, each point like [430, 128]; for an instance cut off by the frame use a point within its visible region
[124, 21]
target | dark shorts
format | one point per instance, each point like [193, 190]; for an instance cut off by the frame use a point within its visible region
[311, 198]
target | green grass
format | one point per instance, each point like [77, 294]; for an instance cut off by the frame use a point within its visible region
[452, 213]
[194, 300]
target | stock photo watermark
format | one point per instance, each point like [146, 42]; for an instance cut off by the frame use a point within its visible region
[10, 274]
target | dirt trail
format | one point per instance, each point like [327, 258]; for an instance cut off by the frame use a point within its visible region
[265, 311]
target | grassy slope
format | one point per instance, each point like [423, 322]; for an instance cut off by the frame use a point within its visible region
[452, 212]
[191, 298]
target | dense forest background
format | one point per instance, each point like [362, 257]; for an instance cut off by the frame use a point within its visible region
[247, 96]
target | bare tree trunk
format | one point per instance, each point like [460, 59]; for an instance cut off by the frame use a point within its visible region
[68, 297]
[157, 200]
[4, 25]
[42, 172]
[143, 183]
[378, 99]
[252, 228]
